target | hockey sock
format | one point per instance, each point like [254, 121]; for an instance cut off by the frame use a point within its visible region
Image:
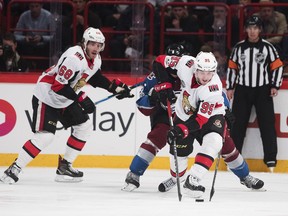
[73, 148]
[138, 165]
[241, 171]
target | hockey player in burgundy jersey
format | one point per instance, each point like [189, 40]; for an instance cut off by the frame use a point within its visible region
[58, 97]
[150, 105]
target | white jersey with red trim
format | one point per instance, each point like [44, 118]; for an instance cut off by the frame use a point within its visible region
[203, 100]
[73, 69]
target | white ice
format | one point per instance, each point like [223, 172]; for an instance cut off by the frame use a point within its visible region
[36, 194]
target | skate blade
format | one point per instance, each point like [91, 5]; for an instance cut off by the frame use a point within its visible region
[68, 179]
[7, 180]
[259, 190]
[193, 194]
[128, 187]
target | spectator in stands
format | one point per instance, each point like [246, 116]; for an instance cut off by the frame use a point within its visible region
[10, 60]
[216, 23]
[181, 21]
[128, 45]
[248, 10]
[274, 25]
[221, 54]
[34, 31]
[93, 21]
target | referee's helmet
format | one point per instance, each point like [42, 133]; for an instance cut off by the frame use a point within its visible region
[253, 20]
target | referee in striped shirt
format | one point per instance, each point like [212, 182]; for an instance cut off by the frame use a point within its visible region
[254, 76]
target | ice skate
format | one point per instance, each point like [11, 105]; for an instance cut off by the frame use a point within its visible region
[11, 174]
[192, 187]
[66, 173]
[252, 182]
[131, 182]
[169, 183]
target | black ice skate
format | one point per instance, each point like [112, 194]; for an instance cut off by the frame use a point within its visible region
[192, 187]
[132, 182]
[252, 182]
[11, 174]
[167, 185]
[66, 173]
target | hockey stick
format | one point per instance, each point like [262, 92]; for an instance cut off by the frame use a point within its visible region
[214, 177]
[114, 95]
[174, 151]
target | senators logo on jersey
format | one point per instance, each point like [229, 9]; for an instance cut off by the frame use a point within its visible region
[188, 109]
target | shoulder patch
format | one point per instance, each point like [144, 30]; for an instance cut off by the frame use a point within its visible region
[189, 63]
[213, 88]
[79, 55]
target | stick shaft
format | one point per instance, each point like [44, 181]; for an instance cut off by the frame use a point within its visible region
[114, 95]
[169, 110]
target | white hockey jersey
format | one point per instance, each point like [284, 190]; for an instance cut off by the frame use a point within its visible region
[202, 100]
[74, 69]
[195, 99]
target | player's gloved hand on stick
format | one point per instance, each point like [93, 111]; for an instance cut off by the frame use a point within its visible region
[165, 92]
[121, 89]
[85, 102]
[177, 133]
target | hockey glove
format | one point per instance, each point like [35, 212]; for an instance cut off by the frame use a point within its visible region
[120, 89]
[85, 102]
[165, 92]
[153, 97]
[177, 133]
[230, 118]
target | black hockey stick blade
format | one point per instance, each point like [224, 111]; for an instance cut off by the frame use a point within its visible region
[214, 178]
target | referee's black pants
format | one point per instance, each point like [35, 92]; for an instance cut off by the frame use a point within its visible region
[244, 99]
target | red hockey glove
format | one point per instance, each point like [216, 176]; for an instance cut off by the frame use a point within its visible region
[177, 133]
[120, 89]
[165, 92]
[85, 102]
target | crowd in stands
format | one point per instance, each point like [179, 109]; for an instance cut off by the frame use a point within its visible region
[45, 29]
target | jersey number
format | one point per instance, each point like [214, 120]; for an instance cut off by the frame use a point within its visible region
[207, 108]
[174, 61]
[66, 73]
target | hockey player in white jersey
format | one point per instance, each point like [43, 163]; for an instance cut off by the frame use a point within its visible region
[199, 113]
[149, 105]
[58, 97]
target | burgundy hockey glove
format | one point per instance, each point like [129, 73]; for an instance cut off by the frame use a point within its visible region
[85, 102]
[120, 89]
[165, 92]
[177, 133]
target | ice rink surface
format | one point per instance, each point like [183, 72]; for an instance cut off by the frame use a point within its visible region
[36, 194]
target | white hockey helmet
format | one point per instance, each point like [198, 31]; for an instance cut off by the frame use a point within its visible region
[95, 35]
[206, 61]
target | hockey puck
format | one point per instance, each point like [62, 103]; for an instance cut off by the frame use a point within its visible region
[199, 200]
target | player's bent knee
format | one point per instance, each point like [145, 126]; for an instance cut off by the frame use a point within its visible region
[83, 131]
[42, 139]
[212, 144]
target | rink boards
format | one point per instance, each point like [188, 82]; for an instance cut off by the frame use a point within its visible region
[118, 129]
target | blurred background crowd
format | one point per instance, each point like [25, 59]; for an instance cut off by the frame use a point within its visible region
[35, 33]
